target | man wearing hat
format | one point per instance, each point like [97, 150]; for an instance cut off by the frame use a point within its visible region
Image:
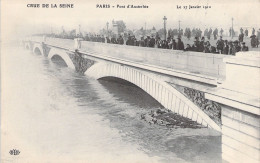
[206, 47]
[179, 45]
[197, 42]
[120, 40]
[236, 48]
[147, 41]
[220, 45]
[241, 36]
[108, 40]
[142, 43]
[225, 47]
[113, 40]
[201, 45]
[253, 41]
[244, 47]
[152, 42]
[174, 44]
[195, 46]
[246, 32]
[230, 44]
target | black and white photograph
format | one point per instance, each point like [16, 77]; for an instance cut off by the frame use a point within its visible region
[130, 81]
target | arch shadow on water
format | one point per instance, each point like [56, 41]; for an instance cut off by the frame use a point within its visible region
[59, 61]
[153, 137]
[126, 88]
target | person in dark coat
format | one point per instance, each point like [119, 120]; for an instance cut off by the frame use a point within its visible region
[152, 42]
[174, 44]
[220, 45]
[179, 45]
[215, 33]
[231, 47]
[258, 37]
[253, 31]
[129, 40]
[236, 47]
[213, 49]
[113, 40]
[201, 45]
[120, 40]
[108, 40]
[147, 41]
[159, 43]
[99, 39]
[103, 39]
[133, 41]
[197, 42]
[241, 30]
[165, 44]
[209, 33]
[253, 41]
[225, 48]
[195, 46]
[246, 32]
[241, 36]
[244, 47]
[141, 42]
[206, 47]
[221, 32]
[188, 48]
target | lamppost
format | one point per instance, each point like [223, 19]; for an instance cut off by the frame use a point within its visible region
[164, 23]
[179, 28]
[79, 29]
[145, 28]
[107, 27]
[232, 30]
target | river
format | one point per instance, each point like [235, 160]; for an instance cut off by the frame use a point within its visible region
[53, 114]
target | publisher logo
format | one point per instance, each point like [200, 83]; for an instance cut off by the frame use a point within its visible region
[14, 152]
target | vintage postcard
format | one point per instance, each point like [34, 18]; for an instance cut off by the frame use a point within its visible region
[130, 81]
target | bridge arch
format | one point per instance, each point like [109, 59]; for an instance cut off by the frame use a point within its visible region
[161, 91]
[37, 48]
[61, 53]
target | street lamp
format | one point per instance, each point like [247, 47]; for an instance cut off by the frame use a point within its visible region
[179, 28]
[107, 27]
[232, 30]
[164, 23]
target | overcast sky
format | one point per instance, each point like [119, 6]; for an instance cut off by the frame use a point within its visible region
[18, 18]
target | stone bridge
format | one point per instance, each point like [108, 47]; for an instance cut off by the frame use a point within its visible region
[200, 86]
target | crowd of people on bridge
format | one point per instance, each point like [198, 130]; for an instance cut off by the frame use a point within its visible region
[200, 43]
[197, 32]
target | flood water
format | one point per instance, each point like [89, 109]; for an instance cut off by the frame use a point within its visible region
[53, 114]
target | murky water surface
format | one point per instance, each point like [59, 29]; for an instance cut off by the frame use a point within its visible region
[51, 113]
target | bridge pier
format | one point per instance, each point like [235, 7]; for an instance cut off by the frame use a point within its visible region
[239, 98]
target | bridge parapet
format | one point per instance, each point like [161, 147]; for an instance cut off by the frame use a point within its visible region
[194, 62]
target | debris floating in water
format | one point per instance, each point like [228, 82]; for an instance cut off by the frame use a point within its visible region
[165, 117]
